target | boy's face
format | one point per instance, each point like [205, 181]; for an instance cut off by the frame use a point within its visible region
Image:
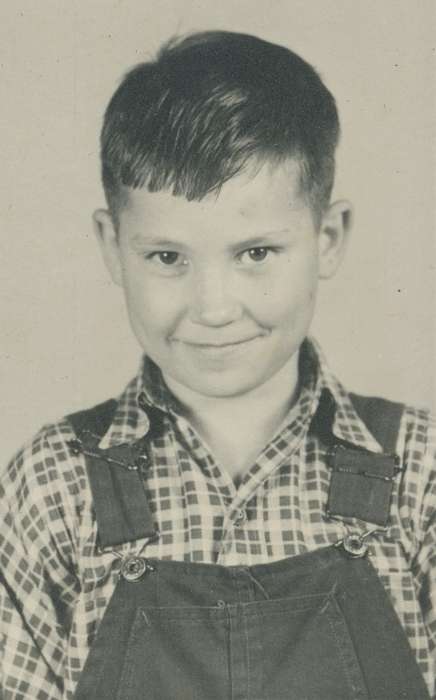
[221, 292]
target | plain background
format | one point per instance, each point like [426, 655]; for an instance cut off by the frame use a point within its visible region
[66, 342]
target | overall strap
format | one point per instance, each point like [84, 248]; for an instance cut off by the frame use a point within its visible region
[95, 420]
[362, 481]
[381, 417]
[115, 475]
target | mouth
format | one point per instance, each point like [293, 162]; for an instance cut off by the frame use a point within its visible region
[223, 348]
[227, 344]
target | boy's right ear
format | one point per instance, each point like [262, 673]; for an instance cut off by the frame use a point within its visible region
[108, 241]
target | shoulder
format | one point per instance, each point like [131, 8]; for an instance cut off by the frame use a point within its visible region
[416, 449]
[45, 475]
[417, 439]
[406, 430]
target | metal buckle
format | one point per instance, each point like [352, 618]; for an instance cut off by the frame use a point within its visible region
[354, 544]
[133, 568]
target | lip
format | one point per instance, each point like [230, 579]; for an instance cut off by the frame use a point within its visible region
[220, 349]
[228, 344]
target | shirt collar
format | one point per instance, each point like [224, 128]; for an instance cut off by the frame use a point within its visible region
[347, 424]
[147, 391]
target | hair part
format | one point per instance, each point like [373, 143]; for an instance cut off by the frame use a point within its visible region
[209, 105]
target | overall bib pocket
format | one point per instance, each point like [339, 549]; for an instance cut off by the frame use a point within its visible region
[304, 651]
[278, 649]
[176, 653]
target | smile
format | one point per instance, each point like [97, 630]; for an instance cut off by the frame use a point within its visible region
[221, 349]
[224, 345]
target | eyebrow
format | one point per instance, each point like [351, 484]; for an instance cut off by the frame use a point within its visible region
[140, 239]
[251, 242]
[258, 240]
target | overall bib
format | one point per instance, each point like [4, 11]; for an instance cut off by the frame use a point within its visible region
[317, 626]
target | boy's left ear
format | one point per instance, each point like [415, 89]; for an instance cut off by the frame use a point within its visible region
[333, 237]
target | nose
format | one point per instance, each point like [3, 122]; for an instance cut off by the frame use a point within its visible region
[214, 300]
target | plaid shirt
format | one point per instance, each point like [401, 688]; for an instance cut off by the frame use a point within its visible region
[56, 584]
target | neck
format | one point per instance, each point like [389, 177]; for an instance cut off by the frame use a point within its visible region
[241, 425]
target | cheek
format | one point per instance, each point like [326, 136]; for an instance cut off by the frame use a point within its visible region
[154, 308]
[288, 296]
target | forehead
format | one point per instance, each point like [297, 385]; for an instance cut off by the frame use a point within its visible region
[265, 199]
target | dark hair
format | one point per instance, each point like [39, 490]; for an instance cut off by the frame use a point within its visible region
[210, 103]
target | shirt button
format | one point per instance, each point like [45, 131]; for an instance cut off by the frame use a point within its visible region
[240, 516]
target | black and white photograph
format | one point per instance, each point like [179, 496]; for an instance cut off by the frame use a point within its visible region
[218, 294]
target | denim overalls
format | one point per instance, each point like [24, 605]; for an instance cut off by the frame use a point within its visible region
[317, 626]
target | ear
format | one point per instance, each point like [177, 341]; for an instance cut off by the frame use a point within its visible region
[108, 241]
[333, 237]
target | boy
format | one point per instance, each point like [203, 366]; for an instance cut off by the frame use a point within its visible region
[235, 525]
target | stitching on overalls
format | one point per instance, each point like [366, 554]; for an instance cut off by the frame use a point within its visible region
[357, 692]
[248, 656]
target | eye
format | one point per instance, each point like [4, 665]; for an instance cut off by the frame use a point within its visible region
[166, 262]
[254, 255]
[167, 257]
